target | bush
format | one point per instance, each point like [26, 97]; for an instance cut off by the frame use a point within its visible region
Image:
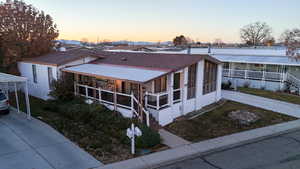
[149, 138]
[63, 89]
[246, 85]
[227, 86]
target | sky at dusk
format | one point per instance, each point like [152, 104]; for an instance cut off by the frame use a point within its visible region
[162, 20]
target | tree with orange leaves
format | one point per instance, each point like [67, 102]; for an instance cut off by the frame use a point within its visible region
[24, 32]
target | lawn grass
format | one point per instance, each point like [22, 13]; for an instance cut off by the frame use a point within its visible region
[103, 138]
[216, 123]
[272, 95]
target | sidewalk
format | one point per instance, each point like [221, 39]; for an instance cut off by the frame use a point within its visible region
[172, 140]
[262, 102]
[204, 147]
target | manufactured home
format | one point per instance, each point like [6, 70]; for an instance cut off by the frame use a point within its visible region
[144, 85]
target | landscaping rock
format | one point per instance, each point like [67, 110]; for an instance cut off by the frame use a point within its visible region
[244, 117]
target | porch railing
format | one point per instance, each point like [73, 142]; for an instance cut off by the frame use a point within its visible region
[157, 100]
[293, 80]
[256, 75]
[127, 101]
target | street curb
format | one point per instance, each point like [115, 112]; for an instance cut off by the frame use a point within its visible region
[170, 156]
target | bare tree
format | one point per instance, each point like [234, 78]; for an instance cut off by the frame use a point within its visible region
[255, 33]
[289, 37]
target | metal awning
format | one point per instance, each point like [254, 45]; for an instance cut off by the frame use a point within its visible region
[139, 75]
[8, 81]
[5, 78]
[259, 59]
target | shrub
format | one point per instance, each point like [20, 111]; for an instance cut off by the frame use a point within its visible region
[63, 89]
[226, 86]
[246, 85]
[263, 88]
[149, 138]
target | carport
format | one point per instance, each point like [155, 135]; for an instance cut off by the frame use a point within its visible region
[14, 83]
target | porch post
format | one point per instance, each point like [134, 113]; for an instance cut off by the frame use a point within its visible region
[76, 82]
[27, 102]
[115, 95]
[171, 89]
[157, 101]
[146, 99]
[17, 99]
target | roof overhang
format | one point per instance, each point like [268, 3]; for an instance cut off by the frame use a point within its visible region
[8, 78]
[117, 72]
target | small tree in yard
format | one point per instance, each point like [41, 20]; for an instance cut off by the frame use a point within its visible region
[255, 33]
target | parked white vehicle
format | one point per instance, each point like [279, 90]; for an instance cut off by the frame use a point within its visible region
[4, 104]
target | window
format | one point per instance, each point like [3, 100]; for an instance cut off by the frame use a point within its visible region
[176, 87]
[50, 77]
[210, 77]
[160, 85]
[34, 73]
[192, 81]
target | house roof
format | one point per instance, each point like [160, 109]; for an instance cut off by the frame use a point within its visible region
[59, 58]
[255, 59]
[154, 61]
[138, 75]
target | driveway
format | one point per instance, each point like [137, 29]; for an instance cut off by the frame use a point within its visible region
[280, 152]
[33, 144]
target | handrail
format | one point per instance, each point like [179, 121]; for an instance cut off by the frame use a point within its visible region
[143, 109]
[133, 99]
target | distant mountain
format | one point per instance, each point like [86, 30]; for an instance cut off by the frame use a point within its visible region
[143, 43]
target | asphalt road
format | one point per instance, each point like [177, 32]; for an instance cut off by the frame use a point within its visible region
[281, 152]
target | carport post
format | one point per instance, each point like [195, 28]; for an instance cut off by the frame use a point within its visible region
[17, 99]
[27, 102]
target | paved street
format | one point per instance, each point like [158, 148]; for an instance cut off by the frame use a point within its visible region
[281, 152]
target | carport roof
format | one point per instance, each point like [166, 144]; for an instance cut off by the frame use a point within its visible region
[6, 78]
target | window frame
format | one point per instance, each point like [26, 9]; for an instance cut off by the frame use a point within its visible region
[34, 74]
[210, 77]
[50, 77]
[192, 79]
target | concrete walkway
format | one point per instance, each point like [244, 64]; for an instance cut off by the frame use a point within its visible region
[35, 145]
[172, 140]
[262, 102]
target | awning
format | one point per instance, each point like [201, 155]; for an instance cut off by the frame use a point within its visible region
[8, 81]
[255, 59]
[117, 72]
[6, 78]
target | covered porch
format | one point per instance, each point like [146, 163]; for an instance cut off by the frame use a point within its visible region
[128, 90]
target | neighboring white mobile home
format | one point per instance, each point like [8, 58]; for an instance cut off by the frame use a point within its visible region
[41, 71]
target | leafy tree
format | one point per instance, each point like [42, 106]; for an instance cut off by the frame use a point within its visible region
[24, 31]
[180, 41]
[255, 33]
